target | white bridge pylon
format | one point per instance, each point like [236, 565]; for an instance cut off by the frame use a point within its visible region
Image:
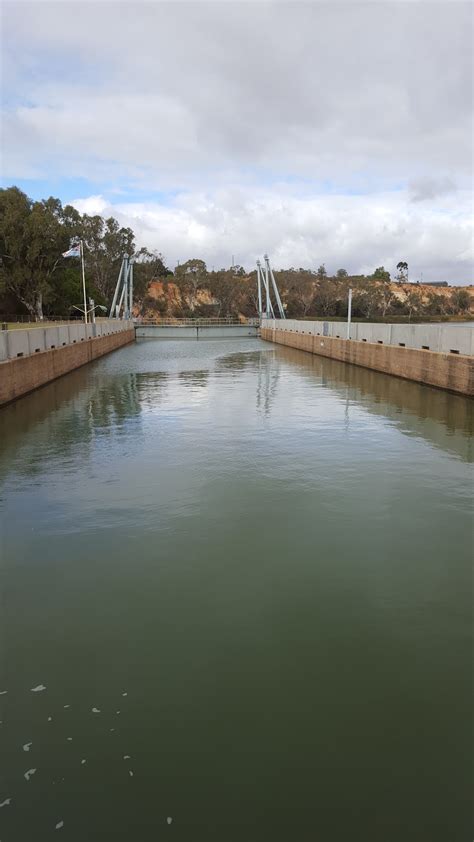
[123, 295]
[265, 276]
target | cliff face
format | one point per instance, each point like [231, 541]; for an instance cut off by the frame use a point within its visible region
[165, 298]
[237, 296]
[401, 291]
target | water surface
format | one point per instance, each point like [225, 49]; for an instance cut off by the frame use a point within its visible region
[242, 575]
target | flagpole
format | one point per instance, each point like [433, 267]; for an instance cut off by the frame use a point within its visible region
[84, 283]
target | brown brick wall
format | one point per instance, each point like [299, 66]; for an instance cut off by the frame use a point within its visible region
[24, 374]
[446, 371]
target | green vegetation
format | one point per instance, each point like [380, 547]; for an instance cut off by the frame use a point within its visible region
[36, 279]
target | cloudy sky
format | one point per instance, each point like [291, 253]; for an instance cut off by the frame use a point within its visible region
[335, 132]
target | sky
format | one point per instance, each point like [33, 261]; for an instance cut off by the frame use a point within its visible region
[320, 132]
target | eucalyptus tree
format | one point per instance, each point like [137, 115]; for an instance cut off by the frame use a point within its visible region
[105, 243]
[190, 277]
[33, 236]
[402, 267]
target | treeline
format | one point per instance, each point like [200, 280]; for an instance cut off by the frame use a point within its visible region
[34, 276]
[36, 279]
[192, 290]
[375, 296]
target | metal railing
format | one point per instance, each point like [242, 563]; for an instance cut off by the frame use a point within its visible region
[197, 322]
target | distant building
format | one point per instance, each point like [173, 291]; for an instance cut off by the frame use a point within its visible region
[434, 283]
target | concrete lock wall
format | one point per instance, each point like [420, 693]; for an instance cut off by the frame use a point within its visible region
[31, 358]
[419, 353]
[21, 342]
[443, 338]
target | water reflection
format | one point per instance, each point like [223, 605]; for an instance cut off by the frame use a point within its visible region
[63, 416]
[444, 419]
[90, 401]
[151, 387]
[197, 378]
[234, 568]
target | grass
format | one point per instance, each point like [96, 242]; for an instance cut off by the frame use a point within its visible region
[45, 323]
[30, 325]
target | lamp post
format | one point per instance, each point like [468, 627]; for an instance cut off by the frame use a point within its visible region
[85, 313]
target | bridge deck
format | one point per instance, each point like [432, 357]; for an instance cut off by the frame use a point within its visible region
[188, 329]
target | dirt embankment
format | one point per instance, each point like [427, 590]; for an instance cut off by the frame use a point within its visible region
[165, 297]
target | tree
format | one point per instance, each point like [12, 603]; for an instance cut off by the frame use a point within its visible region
[436, 305]
[367, 300]
[341, 273]
[382, 278]
[413, 303]
[105, 244]
[387, 296]
[325, 297]
[402, 267]
[303, 292]
[148, 266]
[460, 300]
[381, 274]
[225, 288]
[321, 273]
[33, 236]
[190, 277]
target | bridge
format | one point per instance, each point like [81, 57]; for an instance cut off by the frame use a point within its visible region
[209, 328]
[122, 308]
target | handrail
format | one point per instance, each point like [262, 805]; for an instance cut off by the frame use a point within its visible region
[197, 322]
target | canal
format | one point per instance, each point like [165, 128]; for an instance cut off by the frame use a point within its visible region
[235, 602]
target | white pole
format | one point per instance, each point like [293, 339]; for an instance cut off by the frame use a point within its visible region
[269, 307]
[349, 313]
[259, 282]
[113, 312]
[130, 289]
[125, 281]
[275, 290]
[84, 283]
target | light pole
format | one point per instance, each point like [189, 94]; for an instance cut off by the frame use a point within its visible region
[85, 313]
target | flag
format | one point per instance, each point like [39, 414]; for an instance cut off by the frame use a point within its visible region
[74, 251]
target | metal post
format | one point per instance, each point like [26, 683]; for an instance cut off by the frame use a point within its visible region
[125, 286]
[349, 313]
[84, 283]
[275, 289]
[269, 307]
[113, 314]
[130, 290]
[259, 283]
[119, 305]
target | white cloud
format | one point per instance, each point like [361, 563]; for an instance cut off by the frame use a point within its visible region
[93, 205]
[250, 113]
[356, 232]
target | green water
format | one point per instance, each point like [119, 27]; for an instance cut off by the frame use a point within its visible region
[255, 565]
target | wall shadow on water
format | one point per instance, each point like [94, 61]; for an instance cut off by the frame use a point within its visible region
[444, 419]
